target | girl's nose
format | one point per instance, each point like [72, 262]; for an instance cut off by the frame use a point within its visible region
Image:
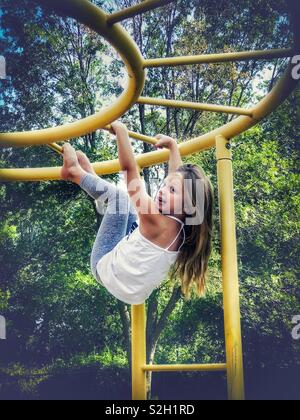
[163, 192]
[164, 188]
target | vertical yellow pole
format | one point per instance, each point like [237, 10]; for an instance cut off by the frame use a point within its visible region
[233, 336]
[138, 354]
[138, 327]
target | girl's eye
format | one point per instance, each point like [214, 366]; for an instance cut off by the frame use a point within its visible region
[172, 189]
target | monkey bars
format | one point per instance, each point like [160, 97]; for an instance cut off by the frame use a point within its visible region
[219, 58]
[92, 16]
[195, 105]
[107, 26]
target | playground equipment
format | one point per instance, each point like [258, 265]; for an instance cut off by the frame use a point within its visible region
[108, 26]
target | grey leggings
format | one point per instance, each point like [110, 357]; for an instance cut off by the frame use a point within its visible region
[118, 218]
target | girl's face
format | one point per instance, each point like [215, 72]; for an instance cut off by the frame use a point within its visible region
[169, 198]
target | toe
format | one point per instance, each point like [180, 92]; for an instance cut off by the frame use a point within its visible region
[81, 155]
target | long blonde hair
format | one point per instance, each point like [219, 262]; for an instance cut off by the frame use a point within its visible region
[192, 263]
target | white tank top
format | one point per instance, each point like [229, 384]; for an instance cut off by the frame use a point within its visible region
[136, 266]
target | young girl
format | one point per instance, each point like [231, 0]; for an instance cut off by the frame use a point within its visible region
[131, 259]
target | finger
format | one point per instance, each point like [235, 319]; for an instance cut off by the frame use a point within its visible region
[112, 130]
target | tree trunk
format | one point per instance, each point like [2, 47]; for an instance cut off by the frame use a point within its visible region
[156, 326]
[126, 323]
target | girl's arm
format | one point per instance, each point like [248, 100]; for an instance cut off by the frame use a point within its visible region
[175, 160]
[125, 152]
[145, 206]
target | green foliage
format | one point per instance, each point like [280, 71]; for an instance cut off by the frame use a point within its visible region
[59, 318]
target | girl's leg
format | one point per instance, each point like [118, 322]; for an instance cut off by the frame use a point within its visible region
[87, 166]
[114, 226]
[117, 220]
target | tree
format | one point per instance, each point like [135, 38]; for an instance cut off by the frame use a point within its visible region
[55, 308]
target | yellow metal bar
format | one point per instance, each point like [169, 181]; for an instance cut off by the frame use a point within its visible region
[135, 10]
[138, 327]
[137, 136]
[219, 58]
[275, 98]
[194, 105]
[93, 17]
[145, 139]
[186, 368]
[56, 148]
[233, 334]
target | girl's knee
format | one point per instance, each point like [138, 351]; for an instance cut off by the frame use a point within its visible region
[93, 265]
[94, 271]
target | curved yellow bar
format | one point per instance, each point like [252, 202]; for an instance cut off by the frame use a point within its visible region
[280, 92]
[93, 17]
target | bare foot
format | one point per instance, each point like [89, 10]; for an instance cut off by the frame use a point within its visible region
[85, 163]
[71, 170]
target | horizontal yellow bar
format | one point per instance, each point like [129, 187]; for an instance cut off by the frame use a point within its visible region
[221, 367]
[135, 10]
[136, 136]
[132, 134]
[145, 139]
[219, 58]
[195, 105]
[55, 147]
